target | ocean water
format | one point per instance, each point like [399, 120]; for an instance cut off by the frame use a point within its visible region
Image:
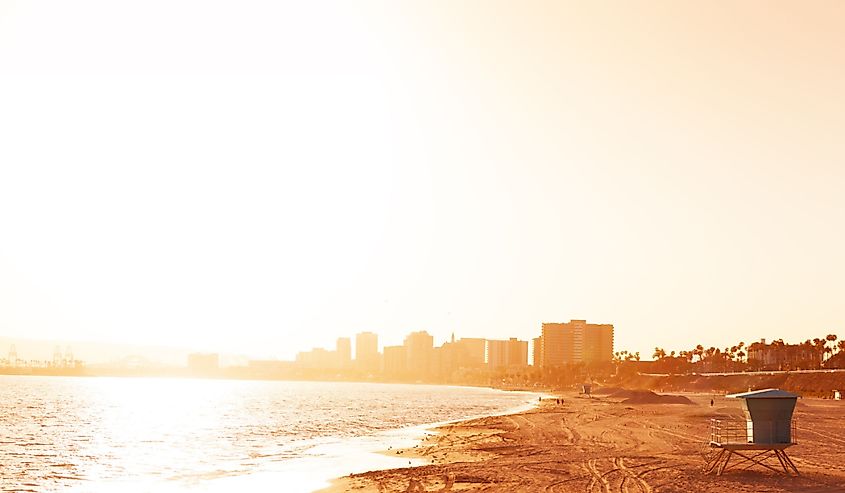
[135, 434]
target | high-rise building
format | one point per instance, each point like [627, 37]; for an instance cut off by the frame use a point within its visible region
[558, 344]
[470, 352]
[366, 351]
[419, 347]
[497, 354]
[538, 352]
[517, 352]
[504, 354]
[395, 361]
[598, 343]
[344, 352]
[442, 360]
[575, 342]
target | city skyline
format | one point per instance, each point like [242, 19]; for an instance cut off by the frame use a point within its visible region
[562, 349]
[103, 353]
[46, 347]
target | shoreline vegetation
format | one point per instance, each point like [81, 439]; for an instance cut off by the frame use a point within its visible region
[618, 441]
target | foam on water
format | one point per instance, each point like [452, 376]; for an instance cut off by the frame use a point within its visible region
[137, 435]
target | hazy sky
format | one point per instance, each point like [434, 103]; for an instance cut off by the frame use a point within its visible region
[265, 176]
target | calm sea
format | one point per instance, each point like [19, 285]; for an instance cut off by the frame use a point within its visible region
[111, 434]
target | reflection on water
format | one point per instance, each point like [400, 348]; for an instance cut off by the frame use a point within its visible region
[59, 433]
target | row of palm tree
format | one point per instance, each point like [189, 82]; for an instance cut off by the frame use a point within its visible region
[812, 353]
[626, 356]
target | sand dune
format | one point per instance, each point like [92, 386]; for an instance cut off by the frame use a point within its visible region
[649, 397]
[601, 445]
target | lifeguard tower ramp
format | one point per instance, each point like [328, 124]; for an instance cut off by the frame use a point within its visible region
[759, 440]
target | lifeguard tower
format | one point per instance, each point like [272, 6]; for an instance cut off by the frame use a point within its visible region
[766, 433]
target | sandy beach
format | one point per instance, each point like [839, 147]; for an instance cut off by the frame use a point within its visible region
[602, 444]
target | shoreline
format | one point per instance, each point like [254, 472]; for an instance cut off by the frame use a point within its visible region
[403, 444]
[602, 444]
[384, 450]
[424, 432]
[181, 374]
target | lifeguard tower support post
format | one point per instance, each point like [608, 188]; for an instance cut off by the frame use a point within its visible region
[767, 432]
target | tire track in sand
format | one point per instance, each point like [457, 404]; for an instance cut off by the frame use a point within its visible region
[631, 476]
[618, 479]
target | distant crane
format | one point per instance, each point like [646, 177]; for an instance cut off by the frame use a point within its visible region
[13, 356]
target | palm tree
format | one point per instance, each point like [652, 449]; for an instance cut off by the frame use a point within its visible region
[659, 353]
[820, 345]
[831, 338]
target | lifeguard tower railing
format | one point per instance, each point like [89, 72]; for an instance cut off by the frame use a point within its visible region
[730, 437]
[735, 431]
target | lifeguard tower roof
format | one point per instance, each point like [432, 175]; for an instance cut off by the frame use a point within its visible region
[765, 394]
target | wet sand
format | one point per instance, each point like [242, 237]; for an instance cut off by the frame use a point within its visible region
[602, 445]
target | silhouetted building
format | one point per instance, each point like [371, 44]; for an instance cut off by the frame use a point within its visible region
[497, 354]
[507, 354]
[344, 352]
[366, 352]
[442, 362]
[395, 361]
[318, 358]
[470, 352]
[597, 343]
[538, 352]
[517, 352]
[576, 342]
[419, 348]
[445, 358]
